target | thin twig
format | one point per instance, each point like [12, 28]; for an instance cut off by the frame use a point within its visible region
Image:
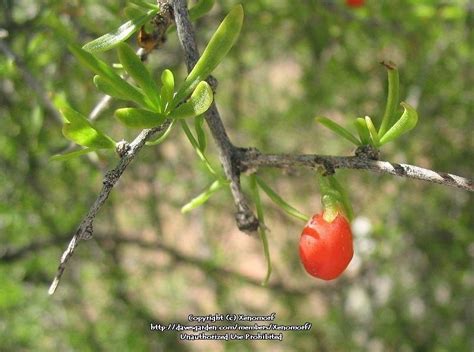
[85, 229]
[246, 220]
[127, 153]
[252, 159]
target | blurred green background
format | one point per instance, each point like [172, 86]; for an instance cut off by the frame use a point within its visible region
[410, 286]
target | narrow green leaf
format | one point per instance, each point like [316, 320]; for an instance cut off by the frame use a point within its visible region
[261, 227]
[200, 9]
[338, 129]
[219, 45]
[189, 134]
[405, 123]
[144, 4]
[102, 69]
[201, 135]
[392, 97]
[131, 11]
[167, 89]
[197, 104]
[372, 131]
[137, 70]
[362, 130]
[204, 197]
[195, 145]
[139, 118]
[163, 136]
[106, 87]
[110, 40]
[79, 130]
[71, 155]
[280, 202]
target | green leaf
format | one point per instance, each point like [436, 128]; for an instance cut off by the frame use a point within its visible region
[261, 227]
[137, 70]
[144, 4]
[167, 89]
[362, 130]
[219, 45]
[280, 202]
[139, 118]
[204, 197]
[372, 131]
[195, 145]
[112, 39]
[338, 129]
[200, 9]
[197, 11]
[71, 155]
[392, 97]
[201, 135]
[106, 87]
[131, 11]
[197, 104]
[79, 130]
[102, 69]
[405, 123]
[163, 136]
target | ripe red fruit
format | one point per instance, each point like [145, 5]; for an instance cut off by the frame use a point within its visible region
[326, 247]
[355, 3]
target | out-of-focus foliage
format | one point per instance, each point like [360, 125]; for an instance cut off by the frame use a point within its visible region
[411, 283]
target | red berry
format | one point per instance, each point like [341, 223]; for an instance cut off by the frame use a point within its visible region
[326, 247]
[355, 3]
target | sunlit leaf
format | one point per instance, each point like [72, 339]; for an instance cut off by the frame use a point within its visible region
[137, 70]
[372, 131]
[167, 89]
[362, 130]
[219, 45]
[139, 118]
[79, 130]
[110, 40]
[197, 104]
[404, 124]
[107, 73]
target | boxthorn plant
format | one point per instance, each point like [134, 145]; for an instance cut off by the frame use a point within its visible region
[325, 244]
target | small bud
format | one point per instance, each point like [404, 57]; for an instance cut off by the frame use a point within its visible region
[122, 147]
